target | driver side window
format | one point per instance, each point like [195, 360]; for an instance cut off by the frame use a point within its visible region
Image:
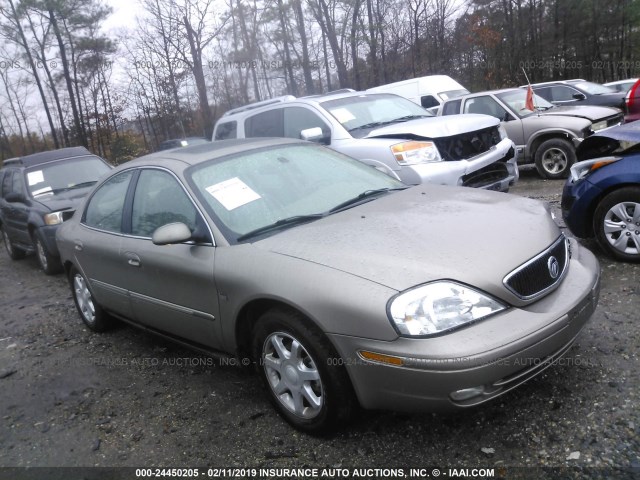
[485, 105]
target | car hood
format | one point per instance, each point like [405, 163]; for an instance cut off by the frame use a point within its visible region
[435, 127]
[66, 200]
[592, 113]
[426, 233]
[617, 140]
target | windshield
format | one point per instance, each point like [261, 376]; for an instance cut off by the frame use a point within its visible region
[52, 178]
[593, 88]
[517, 99]
[362, 113]
[254, 189]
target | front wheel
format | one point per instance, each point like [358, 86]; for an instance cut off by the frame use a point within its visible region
[616, 223]
[90, 312]
[49, 263]
[554, 158]
[295, 364]
[13, 252]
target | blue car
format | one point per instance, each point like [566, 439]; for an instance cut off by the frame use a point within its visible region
[601, 198]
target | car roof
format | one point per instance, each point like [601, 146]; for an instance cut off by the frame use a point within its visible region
[46, 157]
[192, 155]
[492, 92]
[558, 82]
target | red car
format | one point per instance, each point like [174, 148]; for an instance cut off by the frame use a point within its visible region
[633, 103]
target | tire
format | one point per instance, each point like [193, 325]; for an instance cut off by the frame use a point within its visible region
[49, 264]
[307, 389]
[90, 312]
[14, 252]
[616, 223]
[554, 158]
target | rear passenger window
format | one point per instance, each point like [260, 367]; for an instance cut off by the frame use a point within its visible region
[104, 210]
[265, 124]
[452, 107]
[226, 130]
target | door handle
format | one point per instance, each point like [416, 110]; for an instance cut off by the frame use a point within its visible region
[133, 259]
[78, 245]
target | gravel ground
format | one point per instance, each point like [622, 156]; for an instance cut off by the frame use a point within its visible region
[72, 398]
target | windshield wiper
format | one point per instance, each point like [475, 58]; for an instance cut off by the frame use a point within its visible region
[410, 117]
[387, 122]
[363, 196]
[53, 191]
[285, 222]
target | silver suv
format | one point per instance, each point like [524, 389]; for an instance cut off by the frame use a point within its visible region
[387, 132]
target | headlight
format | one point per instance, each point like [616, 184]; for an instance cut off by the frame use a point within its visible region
[411, 153]
[53, 218]
[439, 307]
[503, 132]
[582, 169]
[599, 125]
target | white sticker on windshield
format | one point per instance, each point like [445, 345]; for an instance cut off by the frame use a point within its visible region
[41, 191]
[342, 115]
[35, 177]
[233, 193]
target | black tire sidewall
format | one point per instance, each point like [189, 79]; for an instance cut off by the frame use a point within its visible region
[101, 321]
[336, 388]
[559, 143]
[15, 253]
[625, 194]
[53, 263]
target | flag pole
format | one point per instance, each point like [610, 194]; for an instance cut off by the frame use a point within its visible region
[530, 88]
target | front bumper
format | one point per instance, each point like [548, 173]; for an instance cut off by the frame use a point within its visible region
[495, 169]
[496, 354]
[577, 206]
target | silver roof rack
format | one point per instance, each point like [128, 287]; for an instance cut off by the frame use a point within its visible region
[263, 103]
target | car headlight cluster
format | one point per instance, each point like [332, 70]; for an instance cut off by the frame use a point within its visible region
[582, 169]
[438, 307]
[599, 125]
[54, 218]
[413, 152]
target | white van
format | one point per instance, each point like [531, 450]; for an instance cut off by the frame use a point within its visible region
[430, 92]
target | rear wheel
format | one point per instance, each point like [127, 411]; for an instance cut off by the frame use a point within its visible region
[617, 224]
[554, 158]
[90, 312]
[300, 371]
[50, 264]
[14, 252]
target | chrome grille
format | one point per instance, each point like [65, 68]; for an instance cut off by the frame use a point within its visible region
[536, 276]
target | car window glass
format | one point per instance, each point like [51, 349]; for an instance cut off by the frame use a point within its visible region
[18, 186]
[226, 130]
[297, 119]
[562, 94]
[429, 101]
[265, 124]
[451, 108]
[7, 182]
[159, 200]
[485, 105]
[104, 210]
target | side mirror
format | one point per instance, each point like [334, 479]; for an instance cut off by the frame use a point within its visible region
[579, 96]
[171, 233]
[507, 117]
[15, 197]
[314, 134]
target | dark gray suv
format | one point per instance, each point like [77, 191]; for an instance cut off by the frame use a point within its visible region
[40, 191]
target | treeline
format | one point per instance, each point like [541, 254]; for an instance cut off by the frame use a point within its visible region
[65, 81]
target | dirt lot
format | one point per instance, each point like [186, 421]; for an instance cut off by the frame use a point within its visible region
[69, 397]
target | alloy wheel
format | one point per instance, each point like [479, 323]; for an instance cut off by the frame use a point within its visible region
[84, 298]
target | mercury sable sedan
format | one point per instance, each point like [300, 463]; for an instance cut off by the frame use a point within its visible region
[345, 286]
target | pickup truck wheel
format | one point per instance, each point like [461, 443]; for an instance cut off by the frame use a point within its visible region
[13, 252]
[554, 158]
[50, 264]
[616, 223]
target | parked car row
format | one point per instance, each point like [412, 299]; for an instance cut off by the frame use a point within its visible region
[345, 285]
